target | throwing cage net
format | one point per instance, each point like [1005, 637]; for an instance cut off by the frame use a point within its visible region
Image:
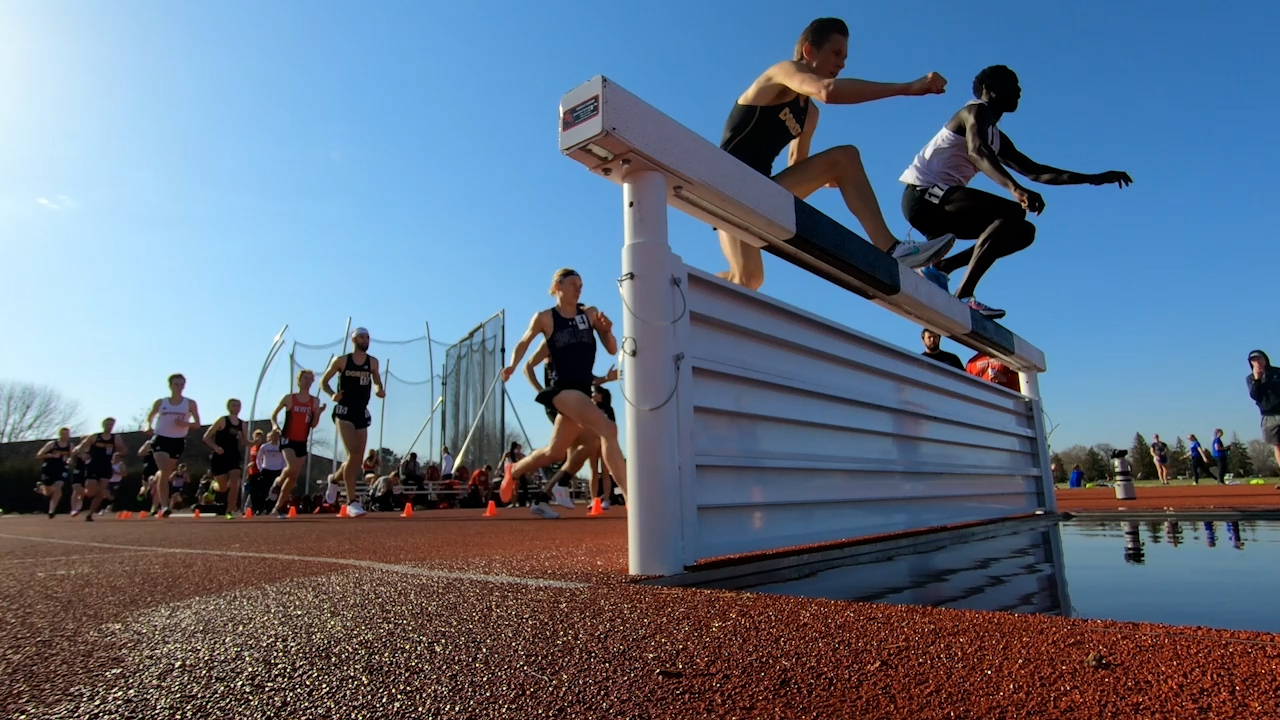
[473, 415]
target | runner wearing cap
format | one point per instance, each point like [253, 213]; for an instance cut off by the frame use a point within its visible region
[356, 371]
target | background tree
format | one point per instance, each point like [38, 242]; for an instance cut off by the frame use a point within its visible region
[34, 412]
[1262, 458]
[1060, 472]
[1095, 466]
[1179, 463]
[390, 460]
[1074, 455]
[1144, 466]
[1238, 461]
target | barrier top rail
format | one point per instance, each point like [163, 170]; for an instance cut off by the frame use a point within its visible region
[611, 131]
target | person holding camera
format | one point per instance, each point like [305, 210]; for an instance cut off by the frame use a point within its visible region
[1264, 388]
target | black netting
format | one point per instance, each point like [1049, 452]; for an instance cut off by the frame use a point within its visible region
[473, 429]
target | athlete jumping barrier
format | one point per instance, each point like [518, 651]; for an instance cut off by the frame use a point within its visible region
[753, 425]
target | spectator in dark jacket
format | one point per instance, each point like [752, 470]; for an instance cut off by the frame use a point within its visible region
[1264, 388]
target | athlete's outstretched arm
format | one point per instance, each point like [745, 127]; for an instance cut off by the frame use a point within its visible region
[151, 416]
[146, 447]
[284, 403]
[978, 121]
[315, 416]
[46, 451]
[82, 446]
[604, 328]
[208, 434]
[848, 91]
[195, 413]
[377, 378]
[536, 326]
[1047, 175]
[542, 353]
[334, 368]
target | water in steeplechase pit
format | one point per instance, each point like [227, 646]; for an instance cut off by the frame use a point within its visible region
[1188, 572]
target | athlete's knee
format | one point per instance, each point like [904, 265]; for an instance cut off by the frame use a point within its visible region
[1024, 233]
[751, 278]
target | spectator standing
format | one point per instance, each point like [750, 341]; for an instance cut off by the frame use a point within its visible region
[1264, 388]
[446, 464]
[1160, 454]
[1220, 455]
[933, 350]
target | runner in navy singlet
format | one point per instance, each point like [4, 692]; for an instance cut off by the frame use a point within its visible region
[571, 343]
[356, 372]
[99, 447]
[780, 109]
[226, 437]
[584, 445]
[53, 459]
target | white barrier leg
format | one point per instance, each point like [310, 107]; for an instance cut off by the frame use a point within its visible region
[1030, 382]
[654, 539]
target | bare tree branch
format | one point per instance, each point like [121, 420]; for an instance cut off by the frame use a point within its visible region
[33, 412]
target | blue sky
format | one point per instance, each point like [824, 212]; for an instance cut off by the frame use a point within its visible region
[256, 164]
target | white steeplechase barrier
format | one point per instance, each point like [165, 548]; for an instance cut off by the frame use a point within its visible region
[753, 425]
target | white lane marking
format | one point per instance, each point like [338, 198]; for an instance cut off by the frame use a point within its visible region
[366, 564]
[67, 557]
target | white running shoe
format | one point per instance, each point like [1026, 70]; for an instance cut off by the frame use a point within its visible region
[562, 497]
[354, 509]
[544, 511]
[331, 493]
[919, 254]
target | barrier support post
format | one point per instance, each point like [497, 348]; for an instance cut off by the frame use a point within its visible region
[654, 524]
[1030, 382]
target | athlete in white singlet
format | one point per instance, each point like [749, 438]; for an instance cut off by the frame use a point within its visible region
[169, 420]
[937, 200]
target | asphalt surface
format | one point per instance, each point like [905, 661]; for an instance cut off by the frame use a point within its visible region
[452, 615]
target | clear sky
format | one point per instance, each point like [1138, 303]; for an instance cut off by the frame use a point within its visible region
[179, 180]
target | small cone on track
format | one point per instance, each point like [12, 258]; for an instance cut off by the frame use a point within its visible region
[196, 514]
[492, 510]
[408, 510]
[293, 511]
[248, 512]
[595, 508]
[343, 511]
[142, 514]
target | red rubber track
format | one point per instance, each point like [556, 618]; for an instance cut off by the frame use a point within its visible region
[119, 620]
[1211, 496]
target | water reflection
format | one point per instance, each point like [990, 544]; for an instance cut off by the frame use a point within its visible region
[1174, 573]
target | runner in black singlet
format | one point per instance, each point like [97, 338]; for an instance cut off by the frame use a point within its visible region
[585, 443]
[97, 470]
[356, 372]
[568, 329]
[53, 459]
[226, 461]
[779, 109]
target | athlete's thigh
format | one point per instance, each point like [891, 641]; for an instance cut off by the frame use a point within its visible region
[812, 173]
[583, 411]
[968, 212]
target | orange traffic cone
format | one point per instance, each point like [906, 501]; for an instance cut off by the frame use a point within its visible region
[293, 511]
[343, 511]
[408, 510]
[492, 510]
[248, 512]
[595, 508]
[197, 513]
[142, 514]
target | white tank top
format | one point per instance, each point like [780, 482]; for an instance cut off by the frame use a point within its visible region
[945, 160]
[170, 415]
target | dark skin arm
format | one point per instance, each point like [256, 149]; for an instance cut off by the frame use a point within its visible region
[1047, 175]
[975, 123]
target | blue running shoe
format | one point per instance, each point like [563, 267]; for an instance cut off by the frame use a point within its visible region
[937, 277]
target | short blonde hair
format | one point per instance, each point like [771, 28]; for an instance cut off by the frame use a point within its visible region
[560, 275]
